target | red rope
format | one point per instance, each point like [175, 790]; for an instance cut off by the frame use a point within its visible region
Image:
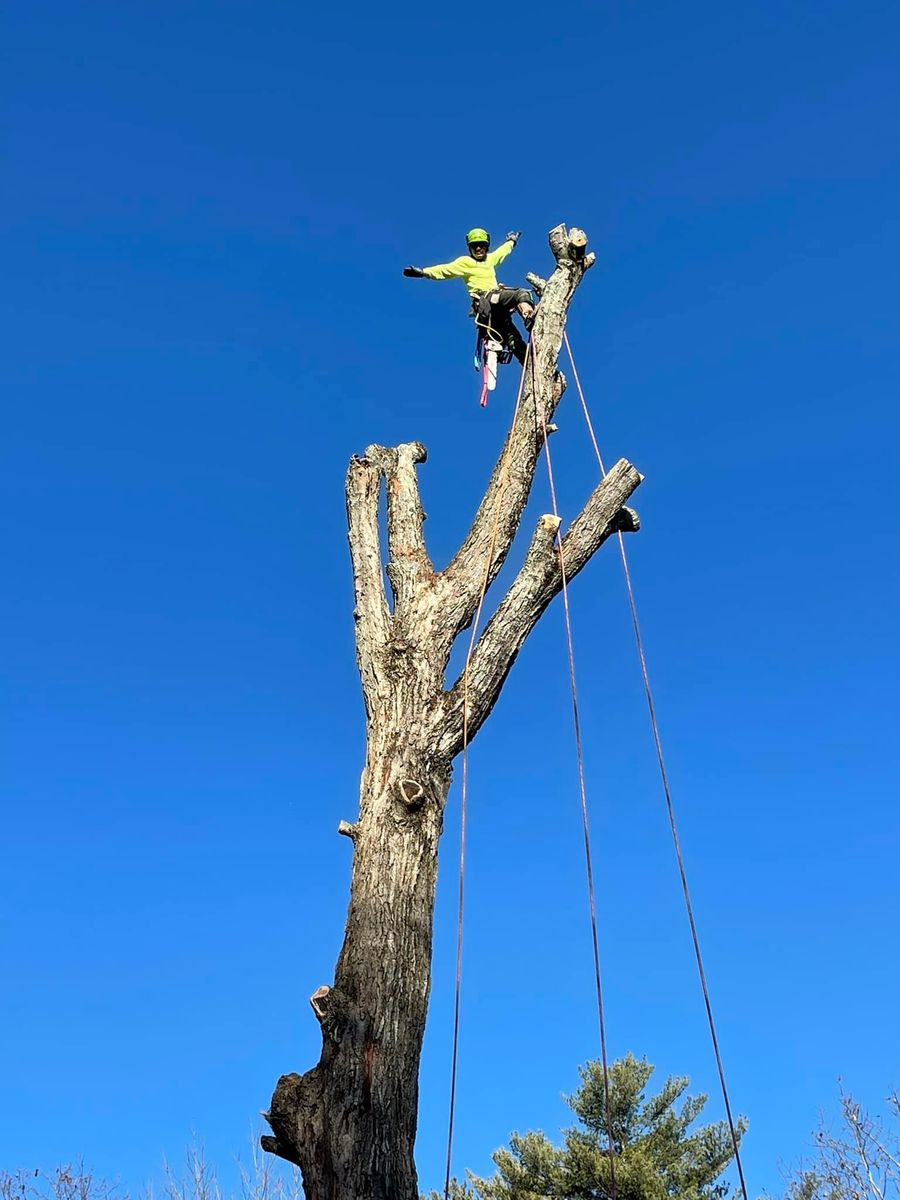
[670, 808]
[465, 787]
[579, 754]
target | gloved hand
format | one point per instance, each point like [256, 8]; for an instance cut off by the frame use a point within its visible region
[414, 272]
[514, 236]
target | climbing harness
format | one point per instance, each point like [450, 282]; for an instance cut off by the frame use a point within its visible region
[494, 345]
[530, 356]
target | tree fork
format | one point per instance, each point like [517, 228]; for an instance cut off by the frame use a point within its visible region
[349, 1123]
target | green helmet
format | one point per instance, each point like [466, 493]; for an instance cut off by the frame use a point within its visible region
[478, 235]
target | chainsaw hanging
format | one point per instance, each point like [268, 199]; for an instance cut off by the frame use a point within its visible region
[496, 338]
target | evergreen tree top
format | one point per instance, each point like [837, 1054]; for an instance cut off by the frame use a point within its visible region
[657, 1153]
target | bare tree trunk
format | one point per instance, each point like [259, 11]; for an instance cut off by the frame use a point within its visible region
[350, 1122]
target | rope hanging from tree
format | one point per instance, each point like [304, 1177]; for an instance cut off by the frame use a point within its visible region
[579, 753]
[582, 788]
[464, 794]
[664, 779]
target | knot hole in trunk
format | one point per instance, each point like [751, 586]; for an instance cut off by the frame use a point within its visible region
[411, 794]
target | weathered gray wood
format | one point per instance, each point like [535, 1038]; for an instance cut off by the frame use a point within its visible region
[538, 581]
[371, 610]
[350, 1121]
[409, 564]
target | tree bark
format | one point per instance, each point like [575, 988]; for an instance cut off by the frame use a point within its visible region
[350, 1122]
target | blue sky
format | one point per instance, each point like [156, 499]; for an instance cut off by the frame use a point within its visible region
[206, 210]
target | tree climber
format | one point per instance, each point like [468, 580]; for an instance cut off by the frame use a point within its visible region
[493, 304]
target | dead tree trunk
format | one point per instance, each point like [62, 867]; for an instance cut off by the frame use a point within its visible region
[350, 1122]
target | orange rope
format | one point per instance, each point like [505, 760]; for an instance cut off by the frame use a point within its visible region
[579, 754]
[670, 808]
[465, 782]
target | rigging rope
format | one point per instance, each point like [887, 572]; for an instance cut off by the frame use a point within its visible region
[670, 808]
[464, 791]
[582, 786]
[579, 754]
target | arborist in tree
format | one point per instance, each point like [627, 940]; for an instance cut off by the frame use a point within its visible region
[493, 304]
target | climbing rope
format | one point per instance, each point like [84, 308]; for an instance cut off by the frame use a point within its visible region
[579, 755]
[464, 790]
[582, 786]
[670, 808]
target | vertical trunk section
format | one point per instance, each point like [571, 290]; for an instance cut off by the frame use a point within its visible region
[350, 1123]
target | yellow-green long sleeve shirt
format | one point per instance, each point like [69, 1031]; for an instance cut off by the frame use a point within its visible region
[478, 276]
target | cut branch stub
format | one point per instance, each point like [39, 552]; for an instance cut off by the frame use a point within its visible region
[577, 244]
[626, 520]
[282, 1149]
[568, 245]
[559, 242]
[319, 1001]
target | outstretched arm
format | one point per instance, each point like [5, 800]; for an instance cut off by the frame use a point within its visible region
[497, 256]
[450, 270]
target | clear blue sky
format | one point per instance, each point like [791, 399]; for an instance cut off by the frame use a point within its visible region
[206, 208]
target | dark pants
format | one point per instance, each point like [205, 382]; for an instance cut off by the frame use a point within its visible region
[493, 313]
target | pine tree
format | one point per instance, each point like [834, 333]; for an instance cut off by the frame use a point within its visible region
[656, 1154]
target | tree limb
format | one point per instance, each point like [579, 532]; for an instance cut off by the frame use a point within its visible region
[409, 565]
[373, 620]
[538, 581]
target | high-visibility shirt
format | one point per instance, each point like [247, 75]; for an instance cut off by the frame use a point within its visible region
[478, 276]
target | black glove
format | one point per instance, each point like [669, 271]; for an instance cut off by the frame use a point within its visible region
[414, 272]
[514, 236]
